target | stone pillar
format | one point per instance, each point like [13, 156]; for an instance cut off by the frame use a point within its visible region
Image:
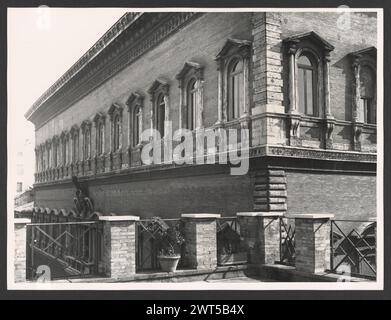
[260, 232]
[267, 63]
[119, 239]
[200, 240]
[312, 242]
[20, 249]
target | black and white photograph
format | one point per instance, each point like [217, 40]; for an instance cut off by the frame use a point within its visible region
[195, 148]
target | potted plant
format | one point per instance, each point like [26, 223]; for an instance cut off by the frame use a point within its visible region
[170, 240]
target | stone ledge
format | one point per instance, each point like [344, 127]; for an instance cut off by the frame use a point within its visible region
[22, 220]
[283, 273]
[312, 216]
[260, 214]
[119, 218]
[201, 215]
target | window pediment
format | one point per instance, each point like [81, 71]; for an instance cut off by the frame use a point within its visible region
[99, 117]
[159, 85]
[192, 68]
[74, 130]
[370, 51]
[135, 99]
[86, 124]
[234, 46]
[309, 37]
[115, 109]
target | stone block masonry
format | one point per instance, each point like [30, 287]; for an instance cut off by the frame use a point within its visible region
[119, 239]
[270, 191]
[200, 240]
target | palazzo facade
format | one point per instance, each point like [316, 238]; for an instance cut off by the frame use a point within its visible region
[304, 88]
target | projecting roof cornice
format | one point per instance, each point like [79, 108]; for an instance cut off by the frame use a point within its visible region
[127, 40]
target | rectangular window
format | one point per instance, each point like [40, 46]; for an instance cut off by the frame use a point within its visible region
[19, 186]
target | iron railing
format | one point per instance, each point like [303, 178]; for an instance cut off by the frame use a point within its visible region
[287, 241]
[148, 246]
[353, 247]
[67, 248]
[230, 249]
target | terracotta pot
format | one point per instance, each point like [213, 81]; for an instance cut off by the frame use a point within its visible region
[169, 263]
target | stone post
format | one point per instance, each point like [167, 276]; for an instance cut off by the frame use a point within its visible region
[200, 240]
[20, 233]
[312, 242]
[260, 232]
[119, 239]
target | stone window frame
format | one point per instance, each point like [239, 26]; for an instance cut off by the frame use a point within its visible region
[115, 112]
[55, 151]
[64, 138]
[191, 71]
[74, 138]
[362, 58]
[233, 49]
[86, 129]
[135, 103]
[159, 87]
[48, 147]
[100, 122]
[312, 44]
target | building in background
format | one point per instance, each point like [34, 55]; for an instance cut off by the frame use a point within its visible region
[304, 87]
[24, 198]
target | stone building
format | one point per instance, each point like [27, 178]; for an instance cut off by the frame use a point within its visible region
[305, 89]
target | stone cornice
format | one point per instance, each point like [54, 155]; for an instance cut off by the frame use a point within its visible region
[126, 41]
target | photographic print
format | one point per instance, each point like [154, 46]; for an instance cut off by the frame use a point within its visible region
[174, 148]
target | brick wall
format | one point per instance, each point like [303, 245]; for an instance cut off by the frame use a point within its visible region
[119, 255]
[200, 243]
[165, 197]
[345, 195]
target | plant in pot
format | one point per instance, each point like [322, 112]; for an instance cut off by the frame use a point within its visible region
[170, 240]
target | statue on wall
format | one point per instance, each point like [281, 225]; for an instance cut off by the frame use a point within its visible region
[82, 202]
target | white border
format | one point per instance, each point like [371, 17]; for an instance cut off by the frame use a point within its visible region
[378, 285]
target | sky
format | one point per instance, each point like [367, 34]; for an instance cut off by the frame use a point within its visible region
[43, 43]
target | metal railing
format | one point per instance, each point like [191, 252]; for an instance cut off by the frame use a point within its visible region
[287, 241]
[148, 246]
[230, 250]
[353, 247]
[68, 248]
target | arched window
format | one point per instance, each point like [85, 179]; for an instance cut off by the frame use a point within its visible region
[55, 150]
[367, 94]
[137, 125]
[235, 89]
[64, 151]
[160, 113]
[191, 104]
[116, 132]
[100, 133]
[87, 143]
[75, 145]
[306, 82]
